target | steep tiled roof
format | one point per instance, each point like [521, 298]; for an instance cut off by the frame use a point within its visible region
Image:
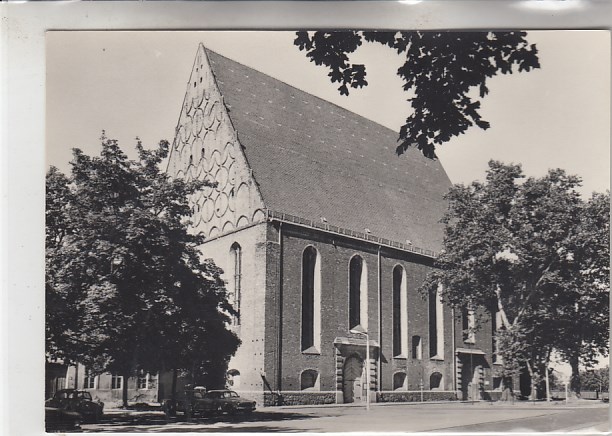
[314, 159]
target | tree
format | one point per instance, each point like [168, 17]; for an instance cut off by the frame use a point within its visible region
[588, 286]
[512, 248]
[596, 379]
[441, 72]
[127, 289]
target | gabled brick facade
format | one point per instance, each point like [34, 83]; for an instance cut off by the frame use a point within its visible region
[294, 171]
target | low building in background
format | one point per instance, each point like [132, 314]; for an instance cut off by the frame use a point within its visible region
[107, 387]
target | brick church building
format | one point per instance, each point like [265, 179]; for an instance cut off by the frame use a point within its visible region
[324, 234]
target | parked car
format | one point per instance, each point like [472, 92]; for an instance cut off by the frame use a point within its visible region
[202, 402]
[77, 401]
[57, 419]
[224, 401]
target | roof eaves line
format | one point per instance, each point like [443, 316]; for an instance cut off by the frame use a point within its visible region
[234, 230]
[273, 215]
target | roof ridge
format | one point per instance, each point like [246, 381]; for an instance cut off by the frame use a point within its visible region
[206, 49]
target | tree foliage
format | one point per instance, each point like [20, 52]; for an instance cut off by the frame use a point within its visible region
[596, 379]
[442, 70]
[126, 286]
[535, 252]
[587, 290]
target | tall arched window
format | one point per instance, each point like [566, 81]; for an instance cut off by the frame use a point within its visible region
[400, 312]
[496, 326]
[469, 325]
[436, 325]
[311, 299]
[417, 349]
[236, 253]
[358, 293]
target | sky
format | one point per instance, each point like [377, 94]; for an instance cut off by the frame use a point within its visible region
[133, 83]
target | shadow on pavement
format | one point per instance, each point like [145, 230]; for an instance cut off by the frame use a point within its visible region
[157, 422]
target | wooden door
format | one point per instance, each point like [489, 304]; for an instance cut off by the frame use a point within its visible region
[352, 379]
[475, 384]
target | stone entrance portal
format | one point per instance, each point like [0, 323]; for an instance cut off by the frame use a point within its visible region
[351, 385]
[470, 374]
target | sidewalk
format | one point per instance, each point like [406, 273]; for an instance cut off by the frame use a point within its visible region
[476, 404]
[572, 404]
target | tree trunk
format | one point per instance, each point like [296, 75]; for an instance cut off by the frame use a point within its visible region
[533, 395]
[575, 383]
[124, 386]
[546, 373]
[76, 375]
[173, 392]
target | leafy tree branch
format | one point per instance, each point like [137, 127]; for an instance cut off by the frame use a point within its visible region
[442, 72]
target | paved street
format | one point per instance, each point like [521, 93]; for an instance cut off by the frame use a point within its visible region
[447, 417]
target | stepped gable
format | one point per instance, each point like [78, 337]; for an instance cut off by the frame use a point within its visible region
[314, 159]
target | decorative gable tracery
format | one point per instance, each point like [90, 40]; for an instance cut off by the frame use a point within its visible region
[206, 147]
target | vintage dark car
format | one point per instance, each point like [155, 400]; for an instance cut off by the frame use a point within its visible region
[57, 419]
[77, 401]
[200, 402]
[223, 401]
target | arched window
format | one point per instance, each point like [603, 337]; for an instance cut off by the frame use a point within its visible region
[358, 293]
[435, 381]
[400, 311]
[496, 326]
[236, 254]
[233, 379]
[469, 326]
[309, 380]
[311, 299]
[399, 381]
[436, 325]
[417, 349]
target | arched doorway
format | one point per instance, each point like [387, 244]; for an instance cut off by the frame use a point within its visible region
[353, 380]
[470, 377]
